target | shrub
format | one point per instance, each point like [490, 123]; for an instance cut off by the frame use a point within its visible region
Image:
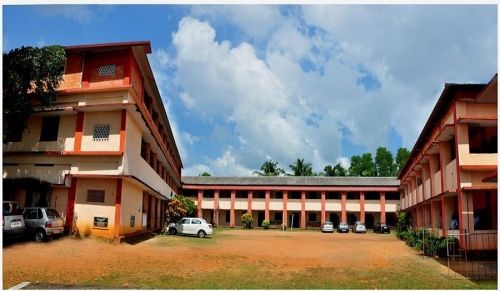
[266, 224]
[246, 220]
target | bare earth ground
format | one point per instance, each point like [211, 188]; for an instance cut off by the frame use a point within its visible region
[250, 259]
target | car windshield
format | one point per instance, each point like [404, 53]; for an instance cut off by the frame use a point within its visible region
[52, 213]
[328, 223]
[10, 208]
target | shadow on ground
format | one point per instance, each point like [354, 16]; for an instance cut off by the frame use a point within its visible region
[133, 240]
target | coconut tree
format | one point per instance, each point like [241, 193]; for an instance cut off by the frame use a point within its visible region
[270, 168]
[301, 168]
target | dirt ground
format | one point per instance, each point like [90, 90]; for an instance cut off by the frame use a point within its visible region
[177, 262]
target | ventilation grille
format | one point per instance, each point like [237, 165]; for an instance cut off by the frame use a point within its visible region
[107, 70]
[95, 196]
[101, 132]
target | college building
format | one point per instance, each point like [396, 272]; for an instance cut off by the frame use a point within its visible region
[103, 154]
[449, 182]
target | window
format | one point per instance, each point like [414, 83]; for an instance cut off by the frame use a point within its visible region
[185, 221]
[144, 149]
[95, 196]
[196, 221]
[107, 70]
[50, 128]
[101, 132]
[482, 140]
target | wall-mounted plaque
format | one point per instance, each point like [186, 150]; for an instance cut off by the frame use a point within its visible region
[100, 221]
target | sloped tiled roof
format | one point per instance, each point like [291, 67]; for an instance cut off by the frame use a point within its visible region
[293, 181]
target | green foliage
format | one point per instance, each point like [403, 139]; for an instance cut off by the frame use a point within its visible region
[270, 168]
[266, 224]
[188, 205]
[384, 162]
[205, 174]
[403, 222]
[246, 220]
[175, 211]
[362, 166]
[400, 161]
[337, 171]
[427, 242]
[27, 72]
[301, 168]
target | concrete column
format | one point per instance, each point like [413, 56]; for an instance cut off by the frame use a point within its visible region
[266, 211]
[70, 207]
[382, 207]
[362, 206]
[118, 208]
[285, 208]
[303, 210]
[216, 208]
[231, 211]
[250, 197]
[444, 227]
[200, 200]
[431, 175]
[323, 207]
[431, 216]
[343, 206]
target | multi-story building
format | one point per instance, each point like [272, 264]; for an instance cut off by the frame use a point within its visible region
[294, 201]
[449, 183]
[103, 153]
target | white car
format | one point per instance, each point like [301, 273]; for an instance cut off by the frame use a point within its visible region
[327, 227]
[191, 226]
[359, 227]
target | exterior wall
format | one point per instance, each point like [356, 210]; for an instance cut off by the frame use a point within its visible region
[107, 117]
[131, 205]
[59, 200]
[86, 211]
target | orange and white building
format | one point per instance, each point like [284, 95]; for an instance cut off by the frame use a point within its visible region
[449, 183]
[103, 153]
[298, 202]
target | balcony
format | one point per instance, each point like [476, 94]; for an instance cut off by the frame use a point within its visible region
[436, 183]
[427, 189]
[451, 176]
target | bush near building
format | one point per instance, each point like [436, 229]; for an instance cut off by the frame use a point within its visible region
[266, 224]
[246, 220]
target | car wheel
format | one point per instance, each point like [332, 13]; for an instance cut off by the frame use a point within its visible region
[39, 235]
[201, 234]
[172, 231]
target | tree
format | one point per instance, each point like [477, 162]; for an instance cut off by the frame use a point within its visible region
[337, 171]
[29, 72]
[384, 162]
[205, 174]
[270, 168]
[301, 168]
[188, 205]
[401, 158]
[175, 211]
[362, 166]
[246, 220]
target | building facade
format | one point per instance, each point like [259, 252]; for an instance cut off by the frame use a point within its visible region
[450, 180]
[103, 154]
[299, 202]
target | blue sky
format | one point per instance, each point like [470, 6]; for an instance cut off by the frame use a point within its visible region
[245, 83]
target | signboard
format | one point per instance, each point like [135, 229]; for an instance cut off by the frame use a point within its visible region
[132, 220]
[100, 221]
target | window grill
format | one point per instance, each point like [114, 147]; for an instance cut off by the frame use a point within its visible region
[107, 70]
[95, 196]
[101, 132]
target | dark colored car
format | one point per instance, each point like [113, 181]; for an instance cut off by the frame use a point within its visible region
[381, 228]
[343, 227]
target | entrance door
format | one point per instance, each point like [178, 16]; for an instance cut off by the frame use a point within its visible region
[334, 218]
[296, 219]
[260, 217]
[370, 220]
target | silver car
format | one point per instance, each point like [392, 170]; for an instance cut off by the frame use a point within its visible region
[359, 227]
[327, 227]
[192, 226]
[12, 219]
[43, 222]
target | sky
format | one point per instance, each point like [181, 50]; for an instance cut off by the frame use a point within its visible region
[245, 83]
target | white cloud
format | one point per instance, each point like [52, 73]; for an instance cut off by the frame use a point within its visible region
[227, 164]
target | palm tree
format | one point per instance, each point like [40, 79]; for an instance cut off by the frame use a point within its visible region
[270, 168]
[300, 168]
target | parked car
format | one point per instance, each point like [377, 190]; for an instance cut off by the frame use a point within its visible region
[359, 227]
[343, 227]
[327, 227]
[191, 226]
[12, 219]
[43, 222]
[381, 228]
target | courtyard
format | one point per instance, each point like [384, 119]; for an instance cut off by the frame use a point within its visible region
[232, 258]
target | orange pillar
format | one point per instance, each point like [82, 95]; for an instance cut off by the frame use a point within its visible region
[200, 200]
[231, 211]
[70, 207]
[266, 209]
[323, 206]
[343, 206]
[430, 215]
[382, 207]
[443, 215]
[216, 208]
[250, 197]
[78, 132]
[303, 210]
[285, 209]
[118, 207]
[362, 206]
